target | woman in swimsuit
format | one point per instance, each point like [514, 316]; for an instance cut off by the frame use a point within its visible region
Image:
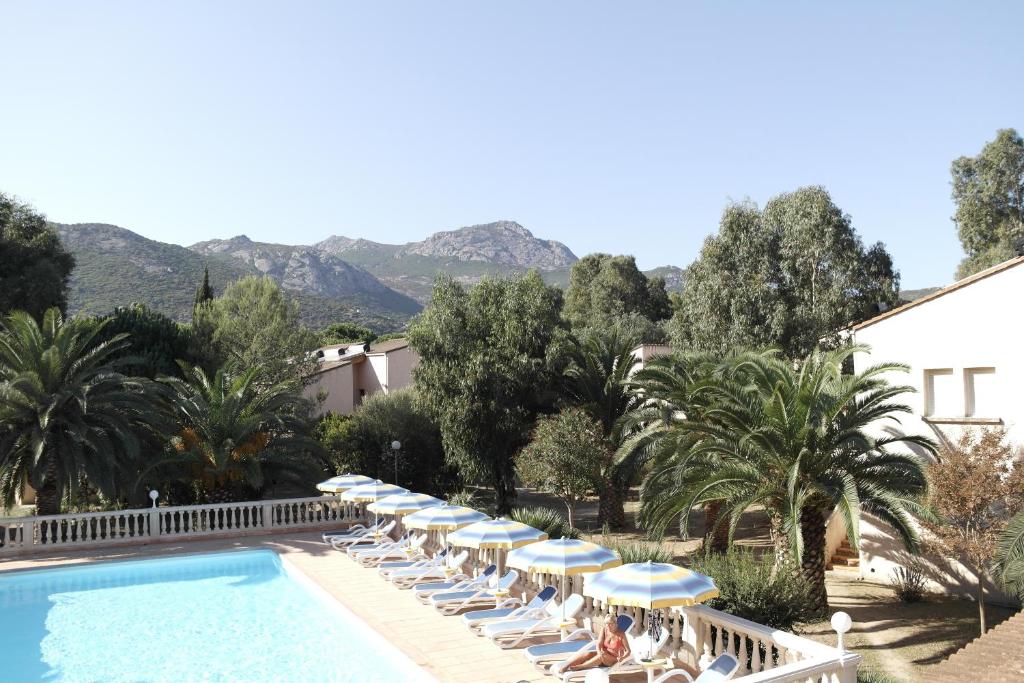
[612, 647]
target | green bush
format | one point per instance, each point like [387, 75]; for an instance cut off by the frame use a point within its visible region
[548, 521]
[874, 677]
[638, 551]
[466, 498]
[752, 587]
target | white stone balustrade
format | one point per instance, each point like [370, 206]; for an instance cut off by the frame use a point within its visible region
[699, 634]
[21, 535]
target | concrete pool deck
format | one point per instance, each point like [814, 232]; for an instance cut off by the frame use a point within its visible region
[440, 645]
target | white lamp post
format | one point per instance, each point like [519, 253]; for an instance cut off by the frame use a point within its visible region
[842, 623]
[153, 495]
[396, 446]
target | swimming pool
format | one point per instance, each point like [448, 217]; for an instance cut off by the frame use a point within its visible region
[241, 616]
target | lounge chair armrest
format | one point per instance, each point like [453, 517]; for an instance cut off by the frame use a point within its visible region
[509, 602]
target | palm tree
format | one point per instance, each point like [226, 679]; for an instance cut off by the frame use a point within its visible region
[66, 414]
[234, 433]
[673, 388]
[596, 380]
[1010, 557]
[797, 439]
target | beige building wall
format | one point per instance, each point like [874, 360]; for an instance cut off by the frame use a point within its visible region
[336, 384]
[966, 365]
[400, 366]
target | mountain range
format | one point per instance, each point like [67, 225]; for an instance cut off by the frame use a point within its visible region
[339, 278]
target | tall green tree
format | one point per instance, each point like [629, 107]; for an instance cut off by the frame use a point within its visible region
[340, 333]
[988, 190]
[254, 324]
[34, 266]
[66, 413]
[788, 276]
[596, 381]
[603, 288]
[154, 344]
[361, 442]
[204, 292]
[483, 370]
[235, 435]
[564, 457]
[796, 439]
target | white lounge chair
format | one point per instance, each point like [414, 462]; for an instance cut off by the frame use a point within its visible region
[351, 532]
[369, 536]
[457, 601]
[376, 544]
[387, 569]
[580, 640]
[407, 578]
[511, 608]
[410, 550]
[508, 634]
[641, 648]
[459, 582]
[722, 669]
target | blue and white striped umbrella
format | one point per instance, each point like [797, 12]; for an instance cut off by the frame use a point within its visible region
[650, 585]
[443, 518]
[403, 503]
[496, 533]
[368, 493]
[343, 482]
[564, 556]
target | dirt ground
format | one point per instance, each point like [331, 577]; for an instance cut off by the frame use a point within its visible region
[901, 640]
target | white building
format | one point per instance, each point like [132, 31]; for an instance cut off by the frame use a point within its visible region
[965, 348]
[348, 373]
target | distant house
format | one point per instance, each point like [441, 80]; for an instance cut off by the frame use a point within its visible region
[645, 352]
[963, 344]
[349, 373]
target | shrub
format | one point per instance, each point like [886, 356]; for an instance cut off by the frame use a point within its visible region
[638, 551]
[466, 498]
[908, 583]
[874, 677]
[753, 588]
[548, 521]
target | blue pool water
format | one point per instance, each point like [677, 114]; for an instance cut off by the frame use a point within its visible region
[218, 617]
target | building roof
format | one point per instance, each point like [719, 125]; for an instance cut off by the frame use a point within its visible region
[959, 284]
[389, 345]
[994, 657]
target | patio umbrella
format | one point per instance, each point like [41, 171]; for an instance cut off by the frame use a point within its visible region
[564, 556]
[443, 518]
[403, 503]
[497, 534]
[651, 586]
[343, 482]
[369, 493]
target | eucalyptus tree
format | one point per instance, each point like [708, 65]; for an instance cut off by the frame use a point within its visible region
[787, 276]
[67, 414]
[988, 190]
[800, 440]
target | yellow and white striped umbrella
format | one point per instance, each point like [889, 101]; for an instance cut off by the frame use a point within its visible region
[368, 493]
[496, 533]
[343, 482]
[403, 503]
[565, 556]
[650, 585]
[443, 518]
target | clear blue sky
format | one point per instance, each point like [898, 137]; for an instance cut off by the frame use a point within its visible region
[619, 127]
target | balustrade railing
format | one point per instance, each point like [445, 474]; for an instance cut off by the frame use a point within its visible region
[699, 634]
[19, 535]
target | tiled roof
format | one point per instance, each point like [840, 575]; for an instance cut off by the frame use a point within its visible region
[959, 284]
[389, 345]
[996, 657]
